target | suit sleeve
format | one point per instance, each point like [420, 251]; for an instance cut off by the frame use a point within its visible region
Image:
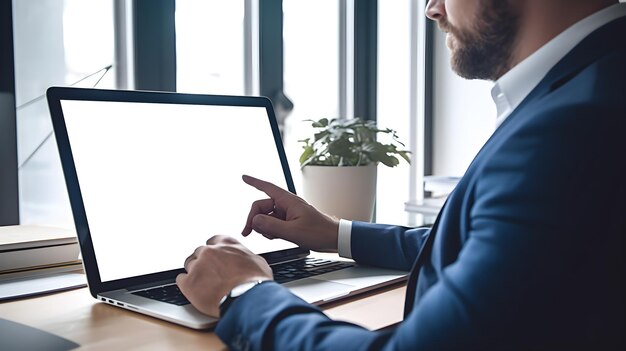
[386, 246]
[271, 325]
[269, 317]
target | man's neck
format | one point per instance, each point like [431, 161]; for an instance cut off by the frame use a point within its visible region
[542, 20]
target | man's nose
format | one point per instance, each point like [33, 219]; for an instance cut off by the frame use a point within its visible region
[435, 9]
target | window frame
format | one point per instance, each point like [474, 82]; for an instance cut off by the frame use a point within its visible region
[154, 39]
[422, 43]
[9, 187]
[138, 69]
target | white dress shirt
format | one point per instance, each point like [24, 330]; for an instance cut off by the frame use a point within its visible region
[513, 87]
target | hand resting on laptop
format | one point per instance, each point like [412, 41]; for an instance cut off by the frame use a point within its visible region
[215, 269]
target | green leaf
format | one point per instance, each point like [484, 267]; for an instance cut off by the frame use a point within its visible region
[321, 123]
[341, 147]
[306, 154]
[405, 156]
[321, 135]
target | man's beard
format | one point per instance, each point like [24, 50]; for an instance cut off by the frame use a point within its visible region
[485, 51]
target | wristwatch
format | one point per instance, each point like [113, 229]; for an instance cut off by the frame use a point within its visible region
[237, 291]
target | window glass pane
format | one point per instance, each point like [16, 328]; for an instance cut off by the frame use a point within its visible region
[62, 43]
[393, 104]
[311, 65]
[210, 46]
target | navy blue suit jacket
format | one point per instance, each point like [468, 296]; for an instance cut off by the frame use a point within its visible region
[528, 251]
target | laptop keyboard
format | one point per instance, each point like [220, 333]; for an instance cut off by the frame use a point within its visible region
[283, 272]
[167, 293]
[308, 267]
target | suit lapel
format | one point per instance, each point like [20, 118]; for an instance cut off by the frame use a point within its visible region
[599, 43]
[419, 262]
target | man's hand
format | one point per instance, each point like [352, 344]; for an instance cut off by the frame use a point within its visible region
[215, 269]
[286, 216]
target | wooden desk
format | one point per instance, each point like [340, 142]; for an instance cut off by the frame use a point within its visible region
[94, 325]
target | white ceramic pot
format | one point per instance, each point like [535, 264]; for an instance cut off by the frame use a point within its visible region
[342, 192]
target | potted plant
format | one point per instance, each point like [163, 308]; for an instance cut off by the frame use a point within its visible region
[339, 165]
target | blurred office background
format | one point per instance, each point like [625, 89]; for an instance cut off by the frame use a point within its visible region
[379, 60]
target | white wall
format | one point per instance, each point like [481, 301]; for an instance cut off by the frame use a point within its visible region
[463, 115]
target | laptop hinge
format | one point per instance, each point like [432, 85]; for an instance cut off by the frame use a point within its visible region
[151, 284]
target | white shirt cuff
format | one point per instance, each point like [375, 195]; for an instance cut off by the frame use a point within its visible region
[343, 238]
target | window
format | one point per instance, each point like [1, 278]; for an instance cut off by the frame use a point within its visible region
[394, 100]
[308, 53]
[311, 77]
[63, 43]
[210, 47]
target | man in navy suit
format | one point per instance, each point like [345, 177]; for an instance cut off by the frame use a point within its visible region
[528, 252]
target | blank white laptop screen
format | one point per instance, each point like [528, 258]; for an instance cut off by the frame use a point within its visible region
[158, 180]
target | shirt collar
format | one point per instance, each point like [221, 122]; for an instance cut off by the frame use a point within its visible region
[513, 87]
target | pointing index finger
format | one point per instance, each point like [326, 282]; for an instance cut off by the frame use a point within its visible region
[270, 189]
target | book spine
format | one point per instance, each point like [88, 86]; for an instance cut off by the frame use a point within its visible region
[25, 258]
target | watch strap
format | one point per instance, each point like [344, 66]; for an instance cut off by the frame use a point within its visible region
[230, 298]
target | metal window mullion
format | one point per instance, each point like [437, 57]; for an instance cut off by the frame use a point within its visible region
[428, 93]
[270, 48]
[271, 58]
[421, 101]
[346, 59]
[123, 24]
[365, 58]
[251, 47]
[9, 193]
[154, 38]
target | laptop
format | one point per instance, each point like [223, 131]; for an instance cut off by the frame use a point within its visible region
[153, 175]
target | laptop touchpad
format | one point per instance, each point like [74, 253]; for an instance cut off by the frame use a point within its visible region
[313, 290]
[361, 276]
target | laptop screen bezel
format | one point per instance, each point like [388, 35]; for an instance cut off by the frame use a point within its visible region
[57, 94]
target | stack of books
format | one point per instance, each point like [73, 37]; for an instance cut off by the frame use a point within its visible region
[37, 259]
[24, 248]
